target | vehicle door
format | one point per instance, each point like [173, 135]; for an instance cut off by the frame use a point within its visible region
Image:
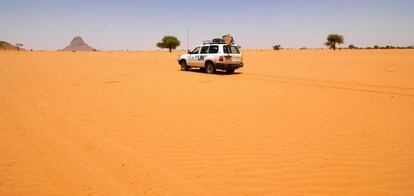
[213, 53]
[193, 56]
[203, 54]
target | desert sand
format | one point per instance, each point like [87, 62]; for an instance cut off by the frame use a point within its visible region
[290, 122]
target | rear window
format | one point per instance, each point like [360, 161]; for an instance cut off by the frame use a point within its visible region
[204, 50]
[231, 49]
[213, 49]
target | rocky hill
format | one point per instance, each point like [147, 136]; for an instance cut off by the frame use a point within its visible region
[7, 46]
[77, 44]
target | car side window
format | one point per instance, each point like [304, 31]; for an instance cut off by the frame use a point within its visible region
[204, 50]
[234, 50]
[213, 49]
[225, 49]
[196, 50]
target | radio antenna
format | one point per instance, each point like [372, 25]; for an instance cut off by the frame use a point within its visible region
[188, 39]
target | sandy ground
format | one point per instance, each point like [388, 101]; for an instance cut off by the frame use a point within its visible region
[290, 123]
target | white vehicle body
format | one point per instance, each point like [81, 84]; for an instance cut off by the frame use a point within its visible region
[212, 56]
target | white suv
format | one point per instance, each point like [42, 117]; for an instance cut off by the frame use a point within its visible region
[212, 55]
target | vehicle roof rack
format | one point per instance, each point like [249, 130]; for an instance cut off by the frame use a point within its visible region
[218, 41]
[207, 42]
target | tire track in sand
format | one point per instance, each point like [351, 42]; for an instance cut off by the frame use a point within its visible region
[66, 149]
[359, 87]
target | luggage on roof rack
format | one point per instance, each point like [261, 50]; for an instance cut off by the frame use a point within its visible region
[227, 39]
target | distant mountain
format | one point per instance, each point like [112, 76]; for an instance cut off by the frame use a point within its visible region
[77, 44]
[7, 46]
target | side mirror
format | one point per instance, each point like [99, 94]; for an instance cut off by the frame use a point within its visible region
[188, 52]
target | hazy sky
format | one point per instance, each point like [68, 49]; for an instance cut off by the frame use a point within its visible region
[138, 25]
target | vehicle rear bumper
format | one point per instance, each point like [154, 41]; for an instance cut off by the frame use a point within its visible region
[227, 66]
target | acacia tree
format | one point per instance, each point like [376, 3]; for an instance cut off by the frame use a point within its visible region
[18, 46]
[334, 39]
[169, 42]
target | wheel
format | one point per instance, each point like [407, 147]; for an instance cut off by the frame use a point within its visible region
[210, 68]
[230, 71]
[184, 66]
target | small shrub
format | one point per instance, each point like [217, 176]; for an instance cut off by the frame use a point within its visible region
[277, 47]
[352, 47]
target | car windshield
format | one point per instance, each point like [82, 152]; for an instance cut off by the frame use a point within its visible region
[231, 49]
[196, 50]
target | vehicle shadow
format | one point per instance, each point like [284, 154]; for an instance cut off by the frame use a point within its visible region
[220, 72]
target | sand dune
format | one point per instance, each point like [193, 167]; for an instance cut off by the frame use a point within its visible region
[289, 123]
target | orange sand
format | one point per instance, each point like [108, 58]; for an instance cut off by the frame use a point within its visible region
[291, 123]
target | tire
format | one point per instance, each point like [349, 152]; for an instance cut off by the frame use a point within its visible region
[210, 68]
[184, 66]
[230, 71]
